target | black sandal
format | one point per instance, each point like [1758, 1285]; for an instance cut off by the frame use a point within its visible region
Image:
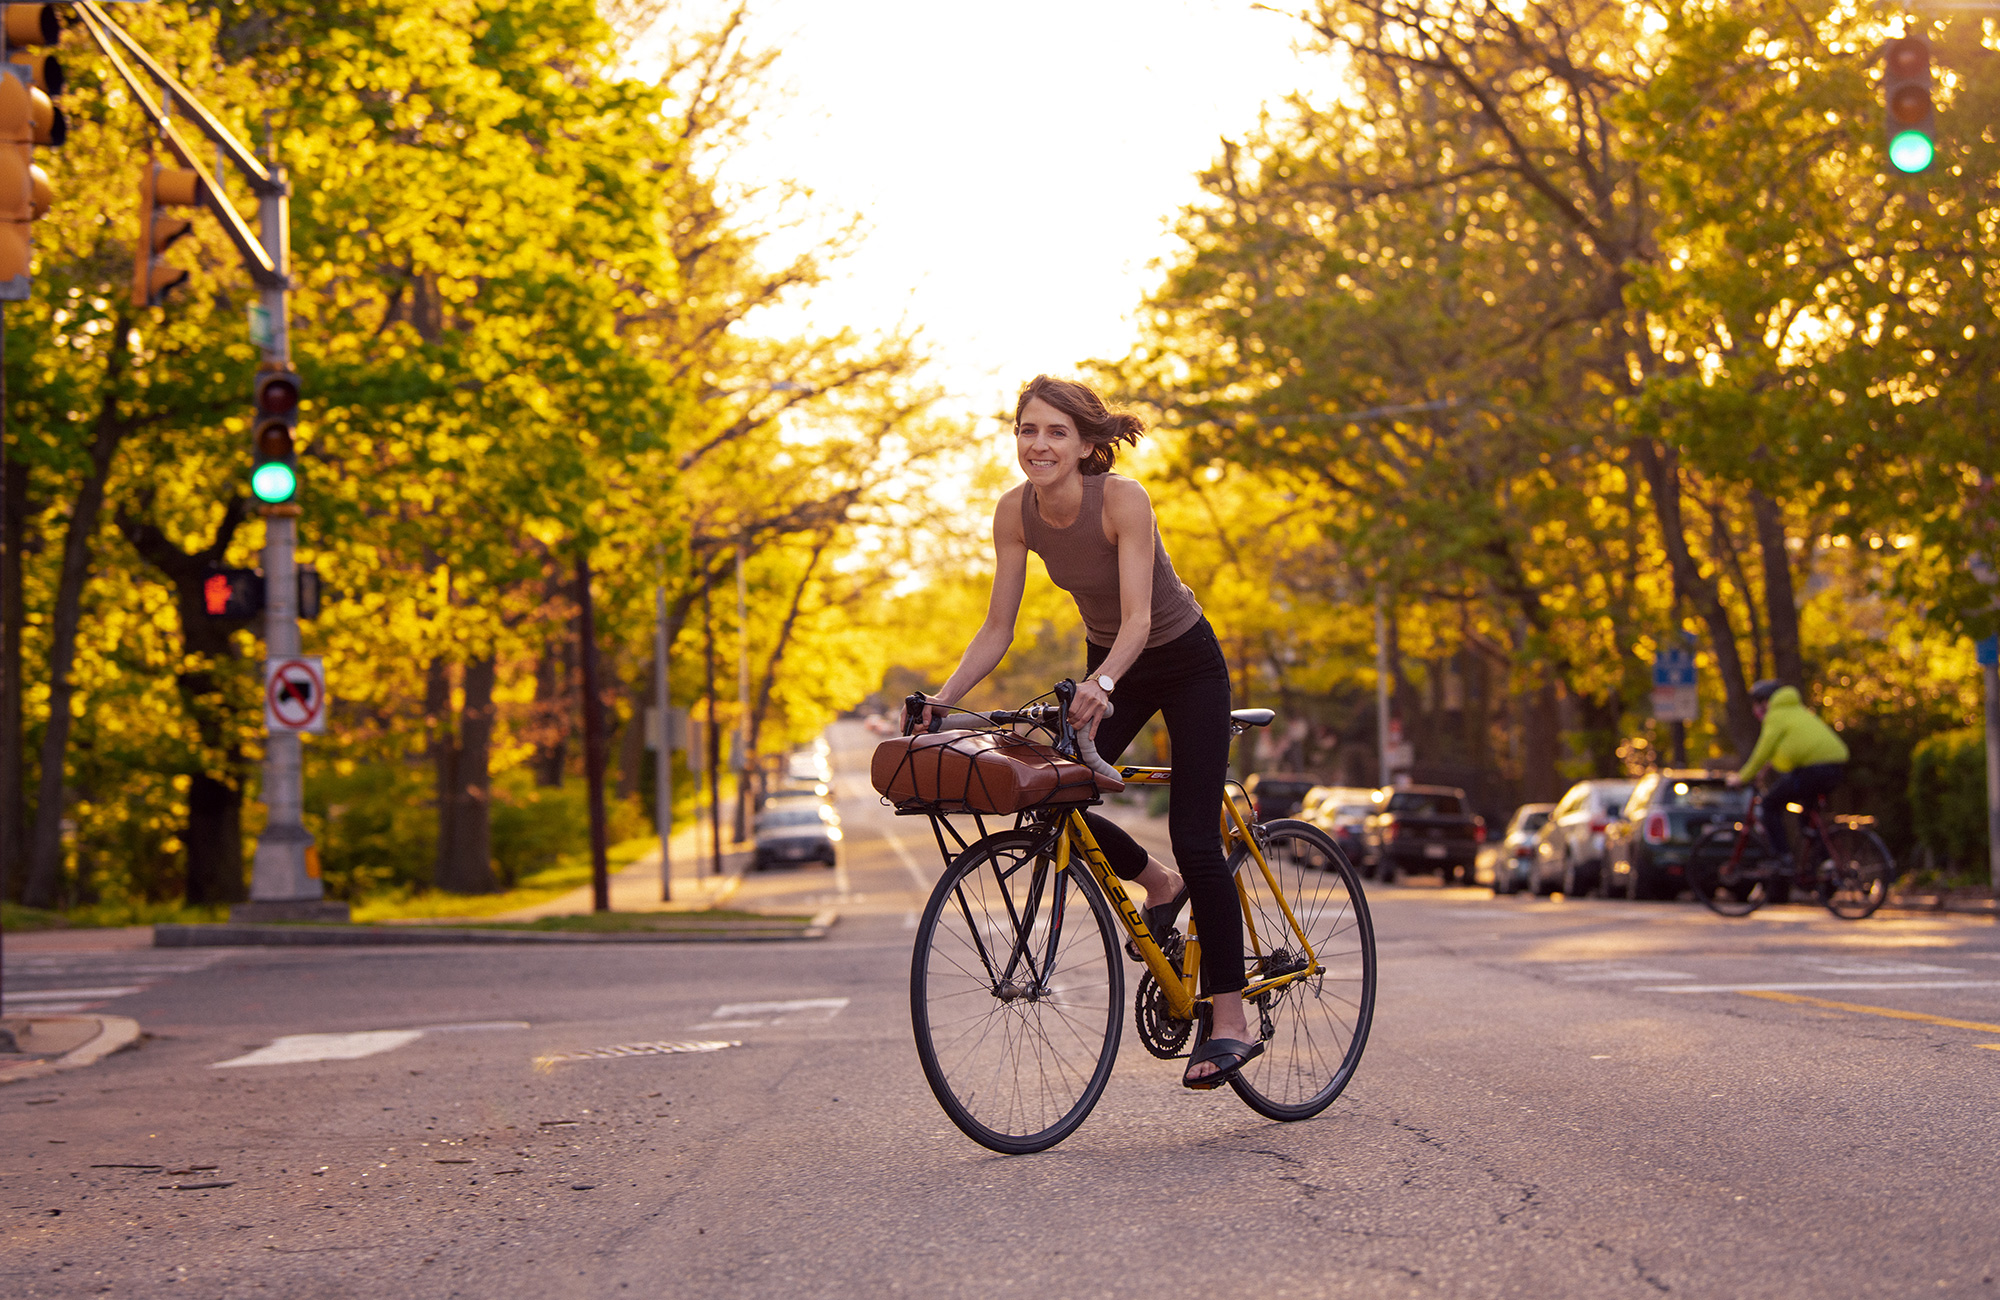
[1160, 922]
[1227, 1054]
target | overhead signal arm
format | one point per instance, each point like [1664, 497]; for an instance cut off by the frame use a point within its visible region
[110, 40]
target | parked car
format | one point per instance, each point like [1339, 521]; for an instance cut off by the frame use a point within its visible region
[1422, 828]
[1342, 811]
[1278, 794]
[1503, 863]
[1646, 849]
[791, 833]
[794, 796]
[1570, 855]
[809, 765]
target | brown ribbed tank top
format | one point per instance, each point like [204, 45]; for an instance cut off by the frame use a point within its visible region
[1083, 564]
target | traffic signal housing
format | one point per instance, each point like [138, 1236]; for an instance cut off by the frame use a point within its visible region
[274, 472]
[28, 117]
[161, 188]
[1910, 116]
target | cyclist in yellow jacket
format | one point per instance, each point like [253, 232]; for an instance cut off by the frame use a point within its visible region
[1809, 756]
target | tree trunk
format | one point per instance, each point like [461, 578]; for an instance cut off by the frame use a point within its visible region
[468, 867]
[1541, 745]
[45, 843]
[554, 671]
[594, 739]
[13, 609]
[444, 766]
[1661, 466]
[1780, 603]
[213, 840]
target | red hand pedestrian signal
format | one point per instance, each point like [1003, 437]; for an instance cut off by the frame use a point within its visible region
[215, 594]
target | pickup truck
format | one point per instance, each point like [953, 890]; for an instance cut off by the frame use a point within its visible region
[1422, 828]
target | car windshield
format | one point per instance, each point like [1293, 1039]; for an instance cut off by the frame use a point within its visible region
[1696, 794]
[1610, 798]
[789, 817]
[1533, 821]
[1425, 805]
[1353, 811]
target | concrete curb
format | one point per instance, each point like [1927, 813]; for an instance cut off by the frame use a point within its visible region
[343, 936]
[114, 1033]
[1980, 904]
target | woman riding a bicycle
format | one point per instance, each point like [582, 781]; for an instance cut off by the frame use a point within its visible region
[1149, 649]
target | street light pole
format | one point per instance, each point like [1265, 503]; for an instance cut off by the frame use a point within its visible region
[1382, 682]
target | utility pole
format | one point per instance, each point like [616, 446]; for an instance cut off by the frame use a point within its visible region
[284, 882]
[743, 756]
[714, 739]
[1382, 682]
[663, 756]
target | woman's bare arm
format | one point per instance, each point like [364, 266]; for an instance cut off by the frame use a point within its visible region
[1010, 578]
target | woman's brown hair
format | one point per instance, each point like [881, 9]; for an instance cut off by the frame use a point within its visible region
[1101, 428]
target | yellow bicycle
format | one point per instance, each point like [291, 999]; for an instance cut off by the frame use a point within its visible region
[1017, 982]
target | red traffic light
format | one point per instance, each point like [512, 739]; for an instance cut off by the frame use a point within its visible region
[277, 394]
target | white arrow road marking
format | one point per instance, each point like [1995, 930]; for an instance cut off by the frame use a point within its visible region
[297, 1049]
[742, 1015]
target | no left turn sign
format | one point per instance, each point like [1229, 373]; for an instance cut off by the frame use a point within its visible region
[295, 694]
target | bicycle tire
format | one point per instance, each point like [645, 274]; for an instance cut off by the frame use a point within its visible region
[1854, 881]
[1728, 890]
[1314, 1029]
[1016, 1038]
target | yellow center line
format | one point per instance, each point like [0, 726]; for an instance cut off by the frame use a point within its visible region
[1890, 1012]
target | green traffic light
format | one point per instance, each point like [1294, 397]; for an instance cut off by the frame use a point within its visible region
[1911, 152]
[274, 483]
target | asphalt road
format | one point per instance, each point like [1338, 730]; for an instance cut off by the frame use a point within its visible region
[1559, 1099]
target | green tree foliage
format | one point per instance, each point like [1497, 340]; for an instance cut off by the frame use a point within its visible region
[521, 308]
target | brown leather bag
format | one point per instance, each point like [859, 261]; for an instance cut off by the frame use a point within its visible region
[978, 771]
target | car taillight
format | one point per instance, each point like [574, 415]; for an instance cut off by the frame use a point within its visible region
[1597, 825]
[1656, 829]
[1479, 830]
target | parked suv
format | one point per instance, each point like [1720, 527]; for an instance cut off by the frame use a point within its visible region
[1570, 856]
[1646, 849]
[1422, 828]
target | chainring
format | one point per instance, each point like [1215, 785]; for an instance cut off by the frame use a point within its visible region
[1163, 1035]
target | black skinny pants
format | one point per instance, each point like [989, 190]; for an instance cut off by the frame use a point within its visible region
[1186, 681]
[1801, 786]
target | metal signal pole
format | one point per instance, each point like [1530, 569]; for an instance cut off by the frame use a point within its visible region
[285, 881]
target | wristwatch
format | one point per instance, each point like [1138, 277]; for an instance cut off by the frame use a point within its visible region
[1106, 684]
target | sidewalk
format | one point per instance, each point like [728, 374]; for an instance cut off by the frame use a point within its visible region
[637, 888]
[52, 1043]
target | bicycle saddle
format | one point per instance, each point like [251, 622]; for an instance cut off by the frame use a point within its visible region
[1251, 717]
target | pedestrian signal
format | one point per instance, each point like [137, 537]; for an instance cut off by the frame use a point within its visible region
[1906, 104]
[232, 593]
[274, 474]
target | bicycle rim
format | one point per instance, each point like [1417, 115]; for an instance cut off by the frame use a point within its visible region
[1729, 888]
[1855, 879]
[1315, 1028]
[1016, 994]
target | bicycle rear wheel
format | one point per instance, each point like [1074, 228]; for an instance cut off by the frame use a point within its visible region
[1855, 880]
[1732, 883]
[1314, 1028]
[1016, 993]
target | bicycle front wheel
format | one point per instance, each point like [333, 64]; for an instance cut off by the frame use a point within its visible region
[1016, 993]
[1855, 879]
[1731, 880]
[1314, 1028]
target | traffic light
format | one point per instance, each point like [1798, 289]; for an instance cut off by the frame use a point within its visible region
[232, 593]
[274, 473]
[28, 117]
[162, 187]
[1906, 104]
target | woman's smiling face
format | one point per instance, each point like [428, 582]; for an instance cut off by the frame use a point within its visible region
[1046, 443]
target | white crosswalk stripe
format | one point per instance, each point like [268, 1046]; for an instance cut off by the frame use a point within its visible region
[62, 984]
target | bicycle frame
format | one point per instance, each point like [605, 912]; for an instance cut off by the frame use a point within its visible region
[1179, 985]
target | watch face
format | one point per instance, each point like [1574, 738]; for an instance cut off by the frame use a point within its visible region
[1105, 684]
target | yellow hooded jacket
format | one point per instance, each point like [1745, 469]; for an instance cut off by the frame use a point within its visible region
[1792, 737]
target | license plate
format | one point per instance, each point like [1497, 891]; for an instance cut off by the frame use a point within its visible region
[1433, 850]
